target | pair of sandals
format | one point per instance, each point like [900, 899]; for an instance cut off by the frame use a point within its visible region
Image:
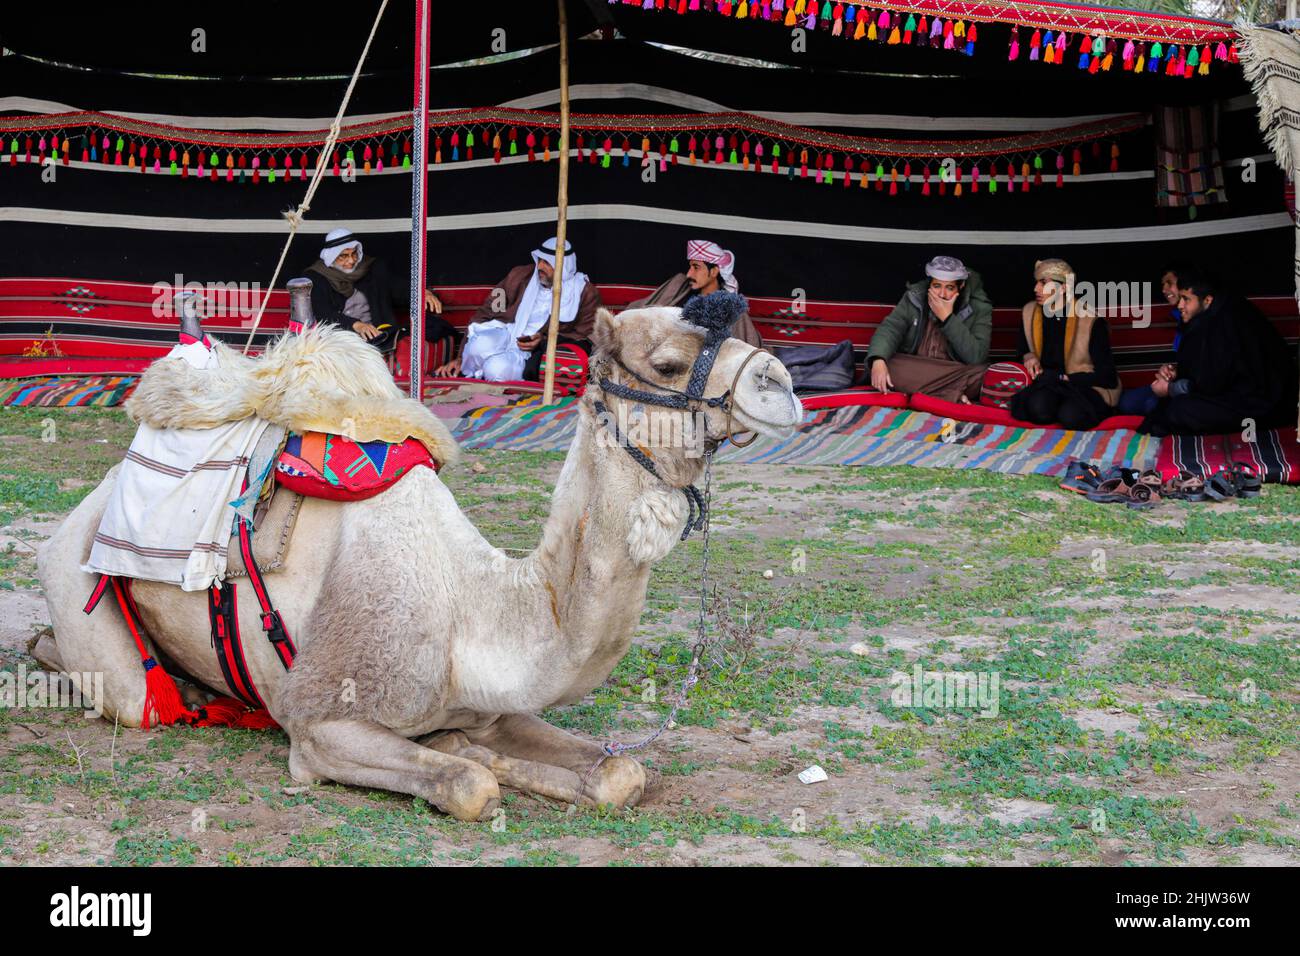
[1142, 491]
[1138, 490]
[1239, 480]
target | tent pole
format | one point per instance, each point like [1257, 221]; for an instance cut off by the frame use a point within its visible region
[419, 202]
[562, 208]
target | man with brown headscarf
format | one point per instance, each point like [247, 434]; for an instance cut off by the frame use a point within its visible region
[1067, 352]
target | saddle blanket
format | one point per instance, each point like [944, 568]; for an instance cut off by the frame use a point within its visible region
[322, 465]
[170, 516]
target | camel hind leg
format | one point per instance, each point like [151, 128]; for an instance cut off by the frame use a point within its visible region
[89, 643]
[366, 754]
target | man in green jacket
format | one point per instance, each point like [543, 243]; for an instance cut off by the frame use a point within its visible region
[936, 341]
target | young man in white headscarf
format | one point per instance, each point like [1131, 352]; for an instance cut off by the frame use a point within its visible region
[354, 291]
[506, 338]
[936, 340]
[709, 269]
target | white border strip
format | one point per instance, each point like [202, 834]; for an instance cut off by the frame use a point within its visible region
[601, 91]
[670, 217]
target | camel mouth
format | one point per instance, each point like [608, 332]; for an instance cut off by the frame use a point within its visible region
[772, 425]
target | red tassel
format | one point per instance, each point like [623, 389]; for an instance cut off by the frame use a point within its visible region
[229, 712]
[162, 701]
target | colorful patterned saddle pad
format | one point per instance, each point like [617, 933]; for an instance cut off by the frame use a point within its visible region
[321, 465]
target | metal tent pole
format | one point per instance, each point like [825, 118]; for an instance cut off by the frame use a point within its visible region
[419, 202]
[562, 209]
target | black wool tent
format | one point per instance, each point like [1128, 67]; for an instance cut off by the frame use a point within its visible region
[830, 147]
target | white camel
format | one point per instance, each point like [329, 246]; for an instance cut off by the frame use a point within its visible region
[425, 653]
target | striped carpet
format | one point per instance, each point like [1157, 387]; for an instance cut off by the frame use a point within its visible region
[67, 391]
[848, 436]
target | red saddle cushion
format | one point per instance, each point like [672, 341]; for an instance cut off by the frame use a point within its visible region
[321, 465]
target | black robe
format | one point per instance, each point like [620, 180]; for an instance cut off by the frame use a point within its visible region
[1237, 366]
[384, 298]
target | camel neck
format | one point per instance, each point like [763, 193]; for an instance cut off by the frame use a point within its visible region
[610, 520]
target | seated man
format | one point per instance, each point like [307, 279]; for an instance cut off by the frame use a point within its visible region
[506, 339]
[354, 291]
[936, 340]
[1140, 401]
[1066, 350]
[709, 268]
[1233, 366]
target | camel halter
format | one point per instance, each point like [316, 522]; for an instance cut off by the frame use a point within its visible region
[715, 314]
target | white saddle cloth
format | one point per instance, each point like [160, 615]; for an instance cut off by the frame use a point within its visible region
[170, 516]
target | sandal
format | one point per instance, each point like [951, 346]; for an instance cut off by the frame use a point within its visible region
[1116, 486]
[1186, 487]
[1221, 486]
[1146, 492]
[1140, 492]
[1247, 480]
[1081, 477]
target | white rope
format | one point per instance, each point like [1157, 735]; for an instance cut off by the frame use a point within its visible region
[295, 216]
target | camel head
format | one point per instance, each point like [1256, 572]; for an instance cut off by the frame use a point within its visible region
[662, 355]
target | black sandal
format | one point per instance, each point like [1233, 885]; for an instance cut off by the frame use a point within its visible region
[1221, 486]
[1247, 480]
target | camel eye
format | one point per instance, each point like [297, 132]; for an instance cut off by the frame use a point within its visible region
[668, 369]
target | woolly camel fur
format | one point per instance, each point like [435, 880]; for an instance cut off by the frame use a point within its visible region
[425, 653]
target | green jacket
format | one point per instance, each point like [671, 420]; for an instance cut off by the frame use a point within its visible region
[968, 330]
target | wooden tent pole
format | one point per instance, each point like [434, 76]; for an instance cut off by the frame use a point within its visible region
[419, 201]
[562, 208]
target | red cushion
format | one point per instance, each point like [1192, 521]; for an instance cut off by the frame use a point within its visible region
[980, 414]
[985, 415]
[852, 397]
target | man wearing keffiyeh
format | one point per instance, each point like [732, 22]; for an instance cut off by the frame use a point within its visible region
[709, 269]
[355, 291]
[506, 338]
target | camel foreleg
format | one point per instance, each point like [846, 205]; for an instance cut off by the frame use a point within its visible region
[366, 754]
[617, 781]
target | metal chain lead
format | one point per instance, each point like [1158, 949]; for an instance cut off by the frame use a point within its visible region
[613, 748]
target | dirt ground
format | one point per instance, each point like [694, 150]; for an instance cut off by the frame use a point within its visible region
[1147, 702]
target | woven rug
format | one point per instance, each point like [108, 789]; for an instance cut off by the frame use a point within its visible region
[65, 392]
[1274, 454]
[849, 436]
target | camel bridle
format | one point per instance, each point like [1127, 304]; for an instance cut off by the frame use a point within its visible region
[691, 400]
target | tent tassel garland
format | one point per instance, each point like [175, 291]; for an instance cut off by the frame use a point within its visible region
[1179, 46]
[713, 140]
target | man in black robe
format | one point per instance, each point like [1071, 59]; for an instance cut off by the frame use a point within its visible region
[354, 291]
[1234, 367]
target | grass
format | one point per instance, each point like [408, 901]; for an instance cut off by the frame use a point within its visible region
[1126, 693]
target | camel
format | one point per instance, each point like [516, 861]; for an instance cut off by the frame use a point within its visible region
[425, 653]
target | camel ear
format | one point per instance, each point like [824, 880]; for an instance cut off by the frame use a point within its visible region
[605, 334]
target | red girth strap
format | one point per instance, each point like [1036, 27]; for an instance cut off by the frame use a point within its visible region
[223, 615]
[272, 622]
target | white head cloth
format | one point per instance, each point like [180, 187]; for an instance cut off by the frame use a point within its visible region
[528, 318]
[708, 251]
[335, 242]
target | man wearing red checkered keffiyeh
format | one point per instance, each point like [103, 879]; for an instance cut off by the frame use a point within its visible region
[709, 269]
